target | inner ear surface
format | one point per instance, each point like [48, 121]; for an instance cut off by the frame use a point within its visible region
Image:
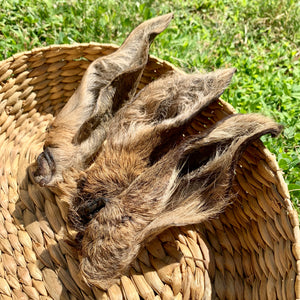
[165, 110]
[125, 86]
[119, 91]
[88, 209]
[85, 211]
[196, 159]
[89, 126]
[170, 139]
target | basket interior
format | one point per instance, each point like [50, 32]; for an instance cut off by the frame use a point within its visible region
[245, 253]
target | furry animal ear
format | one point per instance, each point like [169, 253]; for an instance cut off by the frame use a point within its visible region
[188, 185]
[79, 129]
[185, 96]
[112, 80]
[205, 170]
[157, 117]
[176, 98]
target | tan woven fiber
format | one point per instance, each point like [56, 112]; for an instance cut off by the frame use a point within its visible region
[251, 251]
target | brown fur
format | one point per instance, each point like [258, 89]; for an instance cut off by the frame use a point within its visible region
[126, 198]
[147, 175]
[145, 129]
[163, 196]
[78, 131]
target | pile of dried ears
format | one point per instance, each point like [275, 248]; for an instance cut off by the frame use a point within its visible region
[122, 159]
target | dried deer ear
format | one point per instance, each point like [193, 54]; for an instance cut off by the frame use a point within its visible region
[205, 170]
[176, 98]
[188, 185]
[110, 98]
[147, 127]
[157, 117]
[113, 79]
[192, 94]
[79, 129]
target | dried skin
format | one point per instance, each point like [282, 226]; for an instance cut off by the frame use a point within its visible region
[167, 194]
[144, 130]
[80, 128]
[139, 185]
[147, 175]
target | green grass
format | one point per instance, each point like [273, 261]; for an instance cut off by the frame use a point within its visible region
[260, 38]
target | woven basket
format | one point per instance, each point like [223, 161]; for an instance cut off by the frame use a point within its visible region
[251, 251]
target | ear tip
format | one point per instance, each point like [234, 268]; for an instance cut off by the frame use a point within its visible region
[266, 124]
[233, 70]
[169, 15]
[277, 129]
[161, 22]
[272, 127]
[165, 17]
[224, 75]
[229, 71]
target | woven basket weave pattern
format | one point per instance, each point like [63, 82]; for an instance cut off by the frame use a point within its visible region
[251, 251]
